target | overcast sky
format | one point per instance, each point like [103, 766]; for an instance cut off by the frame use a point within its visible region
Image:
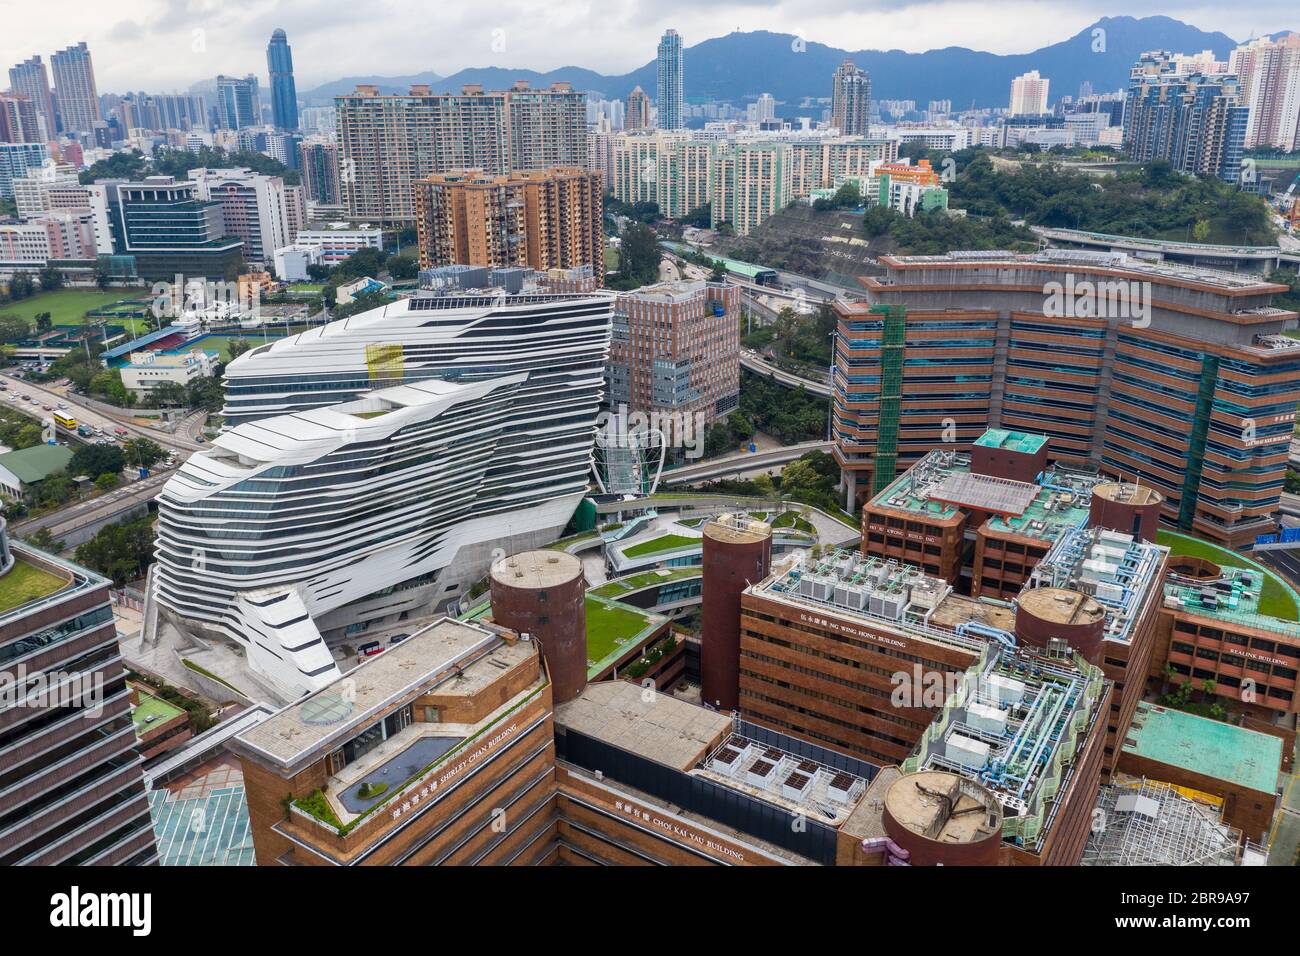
[166, 45]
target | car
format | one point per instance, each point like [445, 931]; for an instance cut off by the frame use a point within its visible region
[47, 408]
[60, 404]
[200, 439]
[398, 638]
[26, 398]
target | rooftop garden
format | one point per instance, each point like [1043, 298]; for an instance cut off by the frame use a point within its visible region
[645, 579]
[611, 626]
[1277, 599]
[660, 545]
[24, 583]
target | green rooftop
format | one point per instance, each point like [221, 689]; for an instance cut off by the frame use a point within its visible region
[662, 544]
[613, 629]
[1022, 442]
[30, 465]
[152, 711]
[25, 582]
[1212, 748]
[1274, 600]
[635, 582]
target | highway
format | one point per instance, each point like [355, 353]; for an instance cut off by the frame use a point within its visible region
[736, 464]
[756, 363]
[51, 395]
[63, 522]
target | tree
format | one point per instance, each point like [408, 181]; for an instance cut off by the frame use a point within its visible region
[51, 279]
[102, 277]
[169, 395]
[402, 267]
[44, 322]
[237, 347]
[44, 539]
[120, 551]
[107, 481]
[96, 460]
[13, 328]
[719, 273]
[108, 383]
[638, 256]
[143, 452]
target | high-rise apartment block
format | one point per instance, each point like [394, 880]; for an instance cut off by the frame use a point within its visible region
[388, 142]
[74, 89]
[540, 219]
[18, 160]
[676, 350]
[319, 165]
[284, 93]
[72, 790]
[238, 106]
[19, 122]
[1175, 375]
[1029, 94]
[851, 99]
[752, 183]
[257, 209]
[638, 110]
[681, 173]
[29, 79]
[1194, 121]
[1269, 71]
[670, 96]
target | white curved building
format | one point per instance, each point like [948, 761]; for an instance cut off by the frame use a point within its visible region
[334, 503]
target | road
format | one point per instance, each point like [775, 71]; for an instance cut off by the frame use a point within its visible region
[739, 463]
[51, 395]
[60, 523]
[756, 363]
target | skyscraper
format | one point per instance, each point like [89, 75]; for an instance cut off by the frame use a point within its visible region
[541, 219]
[1269, 71]
[18, 120]
[638, 110]
[74, 89]
[851, 99]
[74, 791]
[29, 79]
[237, 102]
[670, 95]
[1029, 94]
[388, 142]
[1194, 121]
[284, 95]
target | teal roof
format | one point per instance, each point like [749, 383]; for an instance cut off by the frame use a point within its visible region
[30, 465]
[1208, 747]
[1023, 442]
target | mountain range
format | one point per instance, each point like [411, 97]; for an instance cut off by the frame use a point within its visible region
[741, 65]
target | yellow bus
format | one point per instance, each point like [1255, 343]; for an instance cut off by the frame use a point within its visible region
[65, 421]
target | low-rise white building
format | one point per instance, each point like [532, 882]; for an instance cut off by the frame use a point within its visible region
[147, 370]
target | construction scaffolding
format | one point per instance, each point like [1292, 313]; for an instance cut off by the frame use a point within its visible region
[1148, 823]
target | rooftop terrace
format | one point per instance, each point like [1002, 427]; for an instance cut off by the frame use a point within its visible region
[941, 484]
[25, 582]
[1212, 748]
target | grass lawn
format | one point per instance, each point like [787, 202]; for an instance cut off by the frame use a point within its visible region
[668, 542]
[26, 582]
[69, 306]
[148, 707]
[1275, 598]
[610, 626]
[792, 519]
[645, 579]
[611, 258]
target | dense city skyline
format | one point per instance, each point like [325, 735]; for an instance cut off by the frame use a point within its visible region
[330, 44]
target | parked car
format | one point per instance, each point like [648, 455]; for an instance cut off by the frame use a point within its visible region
[369, 649]
[398, 638]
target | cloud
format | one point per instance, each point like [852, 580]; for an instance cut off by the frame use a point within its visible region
[148, 44]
